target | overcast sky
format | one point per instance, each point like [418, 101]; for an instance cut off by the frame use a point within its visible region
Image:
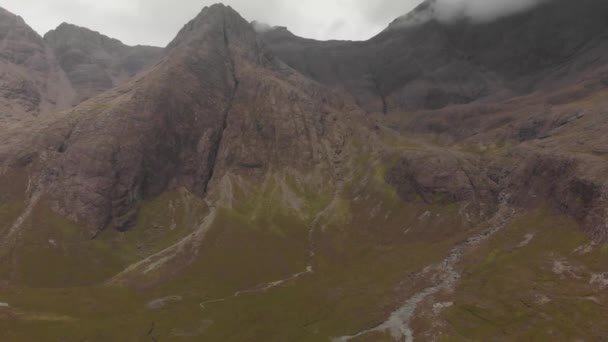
[156, 22]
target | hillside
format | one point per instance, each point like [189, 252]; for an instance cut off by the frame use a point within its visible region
[442, 181]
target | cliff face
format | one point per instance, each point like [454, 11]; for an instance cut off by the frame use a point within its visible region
[69, 65]
[95, 63]
[31, 81]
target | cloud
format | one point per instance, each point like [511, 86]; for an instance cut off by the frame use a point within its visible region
[261, 27]
[474, 10]
[482, 10]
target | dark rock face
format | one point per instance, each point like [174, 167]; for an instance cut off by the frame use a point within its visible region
[443, 178]
[68, 66]
[564, 182]
[31, 81]
[95, 63]
[218, 103]
[430, 64]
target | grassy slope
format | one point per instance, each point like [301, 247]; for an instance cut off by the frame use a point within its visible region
[512, 292]
[52, 252]
[367, 254]
[362, 257]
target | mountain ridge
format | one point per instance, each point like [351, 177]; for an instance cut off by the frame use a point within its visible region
[94, 62]
[32, 82]
[212, 50]
[453, 63]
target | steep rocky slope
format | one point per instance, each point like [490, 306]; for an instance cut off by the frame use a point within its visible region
[31, 81]
[69, 65]
[521, 87]
[94, 62]
[420, 62]
[218, 103]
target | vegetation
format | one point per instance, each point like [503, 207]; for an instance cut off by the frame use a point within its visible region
[358, 270]
[535, 291]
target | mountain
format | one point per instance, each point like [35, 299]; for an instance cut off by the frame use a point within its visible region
[69, 65]
[431, 64]
[95, 63]
[217, 111]
[215, 104]
[445, 180]
[32, 82]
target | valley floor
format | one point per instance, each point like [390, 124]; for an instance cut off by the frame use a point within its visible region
[397, 271]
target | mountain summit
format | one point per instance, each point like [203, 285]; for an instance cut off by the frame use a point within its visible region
[217, 103]
[32, 82]
[95, 63]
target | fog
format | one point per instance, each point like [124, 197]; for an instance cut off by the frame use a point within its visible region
[481, 10]
[473, 10]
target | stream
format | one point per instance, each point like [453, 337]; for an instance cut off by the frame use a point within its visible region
[398, 323]
[309, 267]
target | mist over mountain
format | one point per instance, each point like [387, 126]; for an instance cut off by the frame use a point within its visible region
[443, 180]
[474, 10]
[432, 64]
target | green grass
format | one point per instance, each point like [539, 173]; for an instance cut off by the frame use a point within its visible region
[361, 259]
[498, 297]
[13, 186]
[70, 257]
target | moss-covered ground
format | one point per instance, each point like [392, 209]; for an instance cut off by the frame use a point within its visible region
[532, 282]
[365, 250]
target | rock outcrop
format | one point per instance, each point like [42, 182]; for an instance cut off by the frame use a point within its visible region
[440, 177]
[95, 63]
[31, 80]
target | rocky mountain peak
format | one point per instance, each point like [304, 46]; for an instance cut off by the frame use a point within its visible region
[31, 82]
[217, 19]
[71, 35]
[422, 13]
[216, 104]
[280, 33]
[13, 29]
[94, 62]
[6, 15]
